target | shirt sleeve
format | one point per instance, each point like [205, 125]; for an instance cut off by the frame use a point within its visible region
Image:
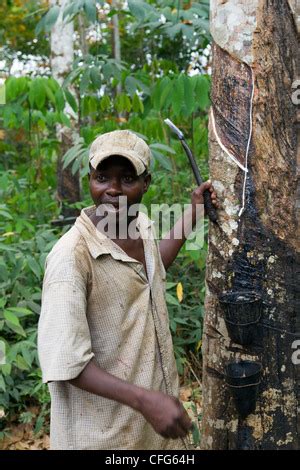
[64, 341]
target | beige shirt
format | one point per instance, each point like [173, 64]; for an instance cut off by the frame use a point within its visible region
[98, 302]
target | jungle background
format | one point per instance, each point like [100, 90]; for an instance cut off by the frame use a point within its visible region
[160, 69]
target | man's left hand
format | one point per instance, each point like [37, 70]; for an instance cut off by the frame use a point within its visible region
[197, 194]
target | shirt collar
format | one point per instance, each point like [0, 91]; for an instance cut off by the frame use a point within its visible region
[98, 243]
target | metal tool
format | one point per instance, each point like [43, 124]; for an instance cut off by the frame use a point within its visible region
[210, 209]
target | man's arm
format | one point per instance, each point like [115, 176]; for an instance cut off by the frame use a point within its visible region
[165, 414]
[171, 244]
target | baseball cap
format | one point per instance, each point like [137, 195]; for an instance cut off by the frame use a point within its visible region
[124, 143]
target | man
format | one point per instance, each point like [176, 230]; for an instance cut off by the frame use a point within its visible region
[104, 342]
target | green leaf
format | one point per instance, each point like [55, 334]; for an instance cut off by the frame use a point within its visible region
[92, 104]
[164, 147]
[11, 86]
[84, 82]
[69, 11]
[51, 18]
[188, 95]
[166, 95]
[137, 8]
[5, 369]
[26, 354]
[21, 363]
[181, 321]
[105, 103]
[90, 10]
[127, 103]
[95, 77]
[202, 24]
[11, 317]
[35, 307]
[39, 424]
[65, 120]
[162, 159]
[40, 26]
[48, 20]
[2, 351]
[123, 103]
[178, 95]
[74, 153]
[170, 285]
[34, 266]
[195, 434]
[6, 214]
[173, 30]
[72, 76]
[131, 85]
[85, 106]
[37, 93]
[171, 299]
[2, 384]
[53, 84]
[16, 328]
[70, 155]
[21, 311]
[137, 104]
[75, 166]
[156, 96]
[107, 71]
[50, 94]
[59, 99]
[202, 92]
[71, 100]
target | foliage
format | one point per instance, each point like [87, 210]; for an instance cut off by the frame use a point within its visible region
[99, 94]
[17, 23]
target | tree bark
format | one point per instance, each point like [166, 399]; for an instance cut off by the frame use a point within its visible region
[68, 185]
[116, 43]
[255, 45]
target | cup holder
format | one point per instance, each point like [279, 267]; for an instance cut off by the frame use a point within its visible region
[243, 311]
[243, 379]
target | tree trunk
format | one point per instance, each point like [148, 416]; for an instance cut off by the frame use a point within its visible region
[68, 185]
[255, 49]
[116, 43]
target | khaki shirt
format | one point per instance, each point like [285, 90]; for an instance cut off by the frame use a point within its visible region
[98, 302]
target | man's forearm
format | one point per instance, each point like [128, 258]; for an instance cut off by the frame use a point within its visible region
[170, 245]
[95, 380]
[164, 413]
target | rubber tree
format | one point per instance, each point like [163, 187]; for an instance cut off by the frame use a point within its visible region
[62, 53]
[254, 248]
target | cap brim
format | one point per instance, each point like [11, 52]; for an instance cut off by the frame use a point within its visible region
[130, 155]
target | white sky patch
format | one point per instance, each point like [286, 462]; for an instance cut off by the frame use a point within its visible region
[162, 19]
[30, 65]
[199, 61]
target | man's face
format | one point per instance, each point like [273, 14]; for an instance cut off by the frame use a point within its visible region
[115, 177]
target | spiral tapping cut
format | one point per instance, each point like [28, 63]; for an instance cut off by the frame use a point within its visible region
[229, 154]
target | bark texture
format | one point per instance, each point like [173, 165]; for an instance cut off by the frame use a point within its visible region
[260, 250]
[68, 185]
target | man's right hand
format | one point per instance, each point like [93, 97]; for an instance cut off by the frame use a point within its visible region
[166, 414]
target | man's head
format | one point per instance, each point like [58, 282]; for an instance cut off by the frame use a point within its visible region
[124, 143]
[119, 163]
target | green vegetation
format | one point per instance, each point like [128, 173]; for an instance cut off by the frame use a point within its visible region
[154, 80]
